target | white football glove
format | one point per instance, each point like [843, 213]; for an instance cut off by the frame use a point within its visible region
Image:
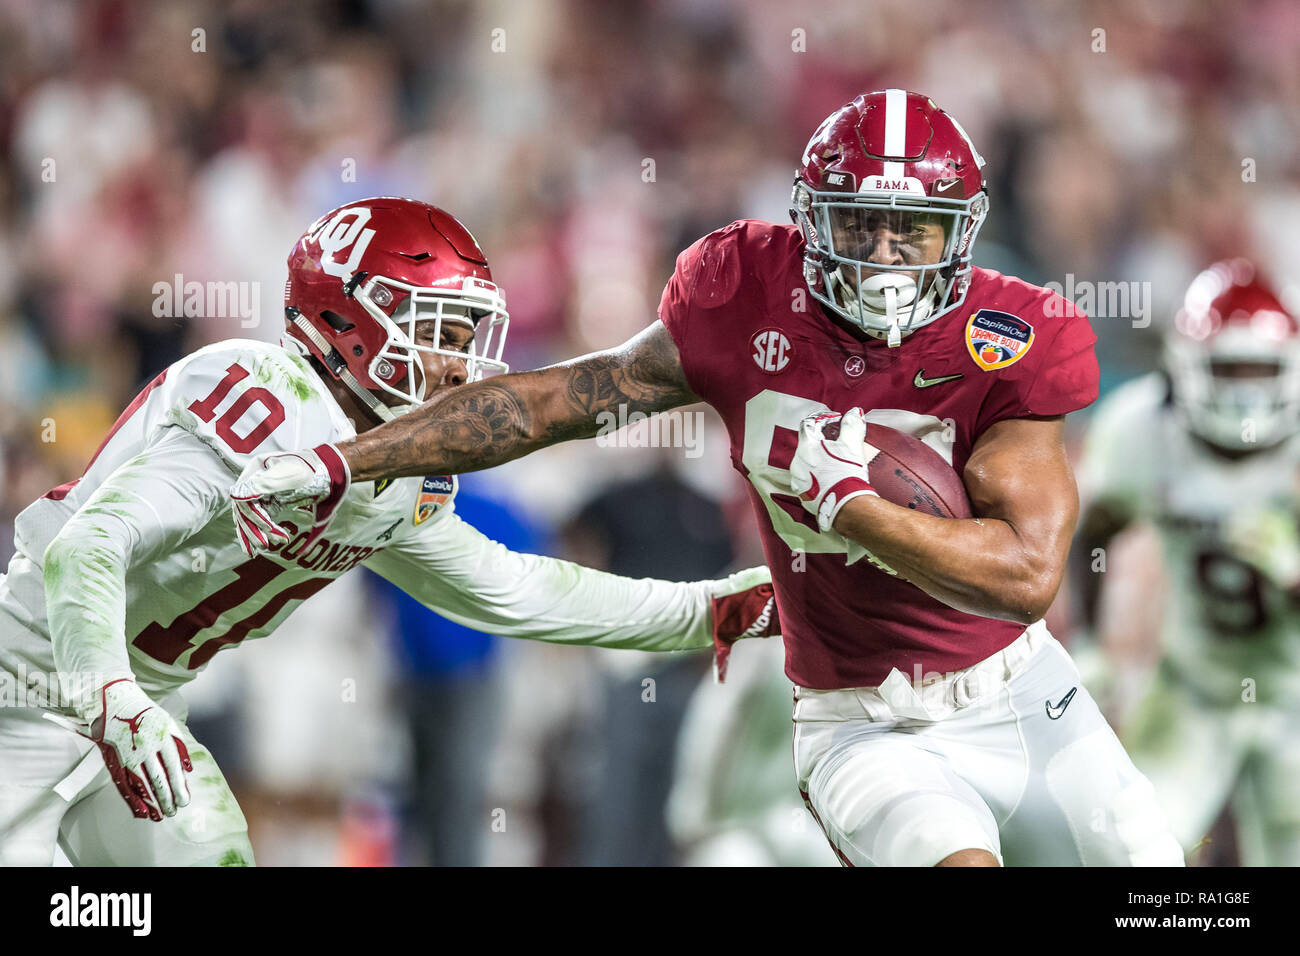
[142, 747]
[830, 468]
[830, 464]
[313, 481]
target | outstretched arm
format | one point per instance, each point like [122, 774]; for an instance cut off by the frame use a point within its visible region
[487, 423]
[460, 573]
[474, 426]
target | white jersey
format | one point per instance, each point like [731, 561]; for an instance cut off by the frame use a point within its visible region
[1228, 530]
[134, 568]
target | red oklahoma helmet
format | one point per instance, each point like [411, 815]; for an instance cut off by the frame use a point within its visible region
[1233, 356]
[363, 274]
[889, 197]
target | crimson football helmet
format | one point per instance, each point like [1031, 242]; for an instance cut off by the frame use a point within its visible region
[1233, 356]
[889, 197]
[364, 274]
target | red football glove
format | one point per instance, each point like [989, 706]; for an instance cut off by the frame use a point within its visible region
[741, 609]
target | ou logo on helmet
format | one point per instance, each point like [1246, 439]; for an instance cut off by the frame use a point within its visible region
[347, 229]
[771, 350]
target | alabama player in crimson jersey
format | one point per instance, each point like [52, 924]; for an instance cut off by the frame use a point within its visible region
[936, 719]
[126, 582]
[1208, 452]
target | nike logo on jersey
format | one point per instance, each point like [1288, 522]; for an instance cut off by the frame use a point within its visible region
[388, 535]
[922, 382]
[1054, 711]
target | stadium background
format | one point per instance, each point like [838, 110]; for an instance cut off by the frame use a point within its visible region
[584, 144]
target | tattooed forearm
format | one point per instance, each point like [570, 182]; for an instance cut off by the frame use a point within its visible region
[487, 423]
[591, 385]
[644, 374]
[464, 431]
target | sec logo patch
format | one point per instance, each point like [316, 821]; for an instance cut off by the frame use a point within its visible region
[435, 491]
[997, 339]
[771, 350]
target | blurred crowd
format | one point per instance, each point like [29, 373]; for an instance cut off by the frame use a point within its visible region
[585, 144]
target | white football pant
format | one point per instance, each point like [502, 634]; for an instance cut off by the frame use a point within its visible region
[1010, 755]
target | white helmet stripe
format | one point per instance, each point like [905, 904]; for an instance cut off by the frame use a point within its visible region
[895, 130]
[979, 160]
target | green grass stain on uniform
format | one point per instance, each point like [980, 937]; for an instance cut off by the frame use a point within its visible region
[284, 372]
[54, 569]
[112, 498]
[104, 510]
[232, 858]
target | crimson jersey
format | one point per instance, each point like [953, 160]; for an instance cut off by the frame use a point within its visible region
[759, 349]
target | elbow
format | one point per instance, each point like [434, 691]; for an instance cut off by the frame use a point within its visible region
[1024, 612]
[1031, 594]
[1027, 588]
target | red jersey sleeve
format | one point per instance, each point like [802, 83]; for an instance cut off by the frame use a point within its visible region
[707, 277]
[1062, 376]
[675, 304]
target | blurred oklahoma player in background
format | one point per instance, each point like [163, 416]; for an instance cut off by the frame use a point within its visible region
[1207, 452]
[126, 582]
[900, 768]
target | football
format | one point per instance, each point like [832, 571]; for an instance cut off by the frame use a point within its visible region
[910, 473]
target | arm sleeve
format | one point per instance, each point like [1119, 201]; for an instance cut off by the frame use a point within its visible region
[472, 580]
[147, 507]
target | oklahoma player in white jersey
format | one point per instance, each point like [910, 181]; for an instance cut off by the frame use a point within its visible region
[126, 581]
[936, 719]
[1209, 453]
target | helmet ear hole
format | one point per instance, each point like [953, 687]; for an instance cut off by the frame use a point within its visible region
[337, 322]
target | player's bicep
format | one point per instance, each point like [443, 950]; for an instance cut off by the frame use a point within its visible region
[653, 361]
[1018, 472]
